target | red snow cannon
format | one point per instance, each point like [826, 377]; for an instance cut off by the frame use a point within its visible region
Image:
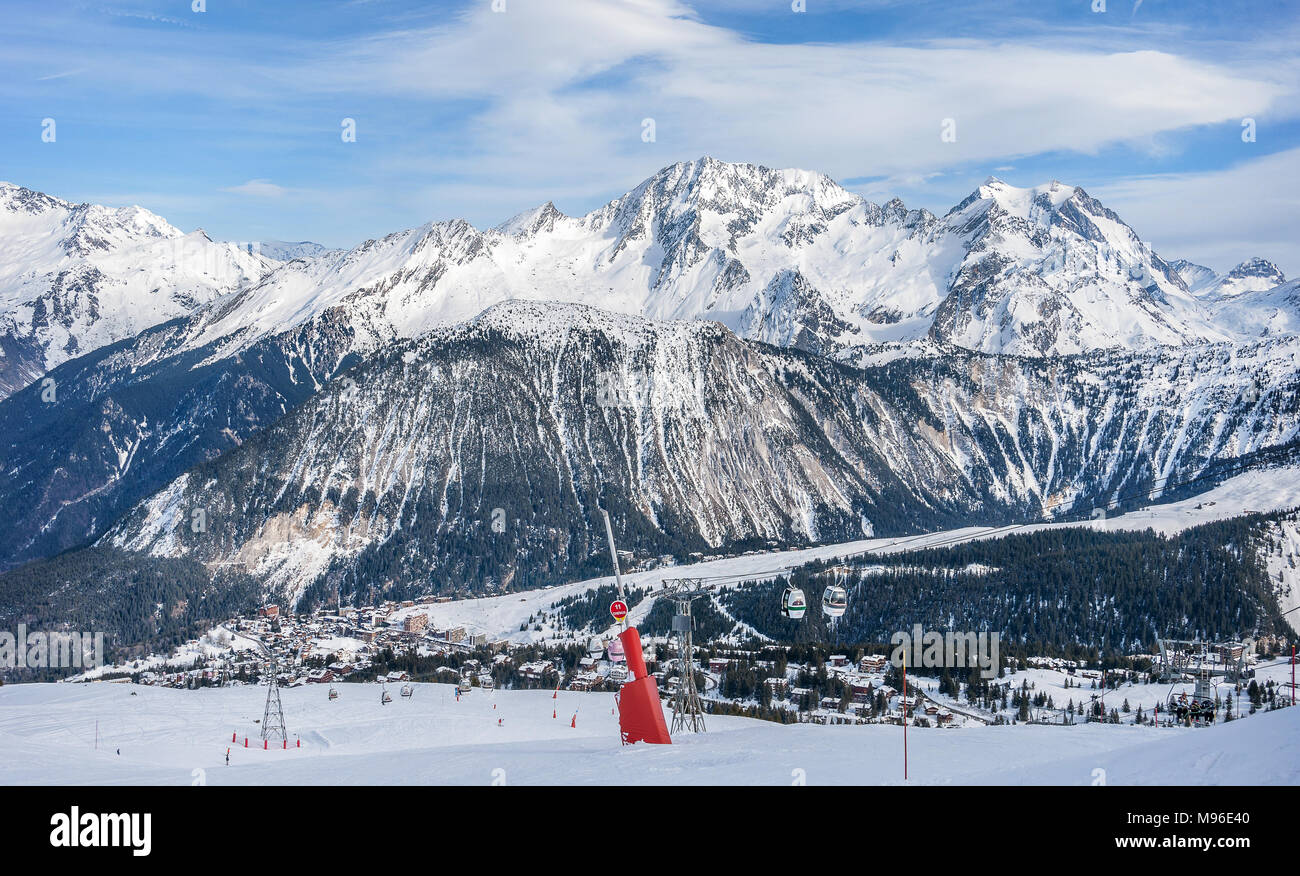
[640, 714]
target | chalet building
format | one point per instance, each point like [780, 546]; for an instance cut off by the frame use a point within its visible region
[534, 671]
[586, 681]
[1230, 653]
[779, 686]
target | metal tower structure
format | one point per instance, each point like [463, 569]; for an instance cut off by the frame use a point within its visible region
[1190, 658]
[688, 711]
[273, 717]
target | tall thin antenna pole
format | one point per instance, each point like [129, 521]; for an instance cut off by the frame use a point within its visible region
[613, 555]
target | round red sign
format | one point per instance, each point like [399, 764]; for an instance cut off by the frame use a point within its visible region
[618, 608]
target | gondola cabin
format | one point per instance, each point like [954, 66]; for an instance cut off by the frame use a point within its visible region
[835, 601]
[793, 603]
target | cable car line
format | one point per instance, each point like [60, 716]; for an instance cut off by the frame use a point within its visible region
[835, 597]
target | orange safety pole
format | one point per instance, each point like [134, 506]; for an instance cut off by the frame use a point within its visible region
[904, 716]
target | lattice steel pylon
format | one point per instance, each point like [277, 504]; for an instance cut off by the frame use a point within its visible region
[688, 711]
[273, 717]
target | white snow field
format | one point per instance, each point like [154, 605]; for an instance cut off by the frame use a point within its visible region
[169, 737]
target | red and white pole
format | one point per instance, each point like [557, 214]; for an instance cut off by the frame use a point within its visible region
[904, 716]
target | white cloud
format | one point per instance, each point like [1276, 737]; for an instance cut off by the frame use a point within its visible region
[1219, 218]
[482, 111]
[258, 188]
[567, 84]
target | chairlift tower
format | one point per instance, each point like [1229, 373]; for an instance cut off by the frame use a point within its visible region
[273, 717]
[688, 711]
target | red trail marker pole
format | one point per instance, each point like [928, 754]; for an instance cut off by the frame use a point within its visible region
[904, 716]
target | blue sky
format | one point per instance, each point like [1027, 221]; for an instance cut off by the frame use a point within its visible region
[230, 118]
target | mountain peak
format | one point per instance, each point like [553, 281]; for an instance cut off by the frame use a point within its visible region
[1022, 201]
[20, 199]
[531, 222]
[1257, 267]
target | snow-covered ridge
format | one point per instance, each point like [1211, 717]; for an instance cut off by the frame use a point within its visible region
[784, 256]
[75, 277]
[1252, 275]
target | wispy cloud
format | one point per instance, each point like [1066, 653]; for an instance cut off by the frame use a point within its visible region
[258, 188]
[465, 112]
[1220, 217]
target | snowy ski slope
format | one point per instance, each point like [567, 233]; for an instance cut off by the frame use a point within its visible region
[165, 736]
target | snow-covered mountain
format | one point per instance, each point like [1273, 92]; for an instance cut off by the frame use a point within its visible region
[286, 251]
[784, 256]
[1195, 277]
[74, 277]
[1260, 313]
[1253, 275]
[1050, 270]
[398, 467]
[1168, 385]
